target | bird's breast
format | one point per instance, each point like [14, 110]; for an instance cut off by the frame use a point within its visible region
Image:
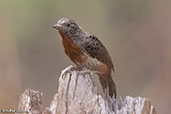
[79, 57]
[72, 50]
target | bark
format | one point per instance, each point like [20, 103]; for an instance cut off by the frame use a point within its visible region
[78, 95]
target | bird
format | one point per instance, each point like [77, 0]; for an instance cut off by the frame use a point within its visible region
[86, 50]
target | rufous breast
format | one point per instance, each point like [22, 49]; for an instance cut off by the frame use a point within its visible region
[72, 50]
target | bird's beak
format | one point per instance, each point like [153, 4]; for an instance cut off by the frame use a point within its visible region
[55, 26]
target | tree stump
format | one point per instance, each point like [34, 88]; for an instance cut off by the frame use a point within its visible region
[78, 95]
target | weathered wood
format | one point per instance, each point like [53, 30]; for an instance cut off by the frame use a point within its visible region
[78, 95]
[30, 101]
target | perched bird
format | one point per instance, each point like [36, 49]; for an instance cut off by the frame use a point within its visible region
[86, 50]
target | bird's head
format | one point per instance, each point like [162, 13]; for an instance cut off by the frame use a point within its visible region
[67, 26]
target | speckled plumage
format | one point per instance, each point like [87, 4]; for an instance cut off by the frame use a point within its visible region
[95, 49]
[86, 50]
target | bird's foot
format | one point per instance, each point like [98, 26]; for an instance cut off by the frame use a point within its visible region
[85, 70]
[68, 70]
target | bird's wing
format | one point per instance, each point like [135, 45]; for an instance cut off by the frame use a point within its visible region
[96, 49]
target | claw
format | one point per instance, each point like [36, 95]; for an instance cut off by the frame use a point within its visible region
[68, 70]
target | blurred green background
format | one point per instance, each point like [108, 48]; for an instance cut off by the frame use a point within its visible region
[137, 34]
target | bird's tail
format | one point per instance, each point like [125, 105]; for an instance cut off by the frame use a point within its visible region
[108, 83]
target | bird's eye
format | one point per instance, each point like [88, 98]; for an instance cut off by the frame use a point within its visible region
[68, 25]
